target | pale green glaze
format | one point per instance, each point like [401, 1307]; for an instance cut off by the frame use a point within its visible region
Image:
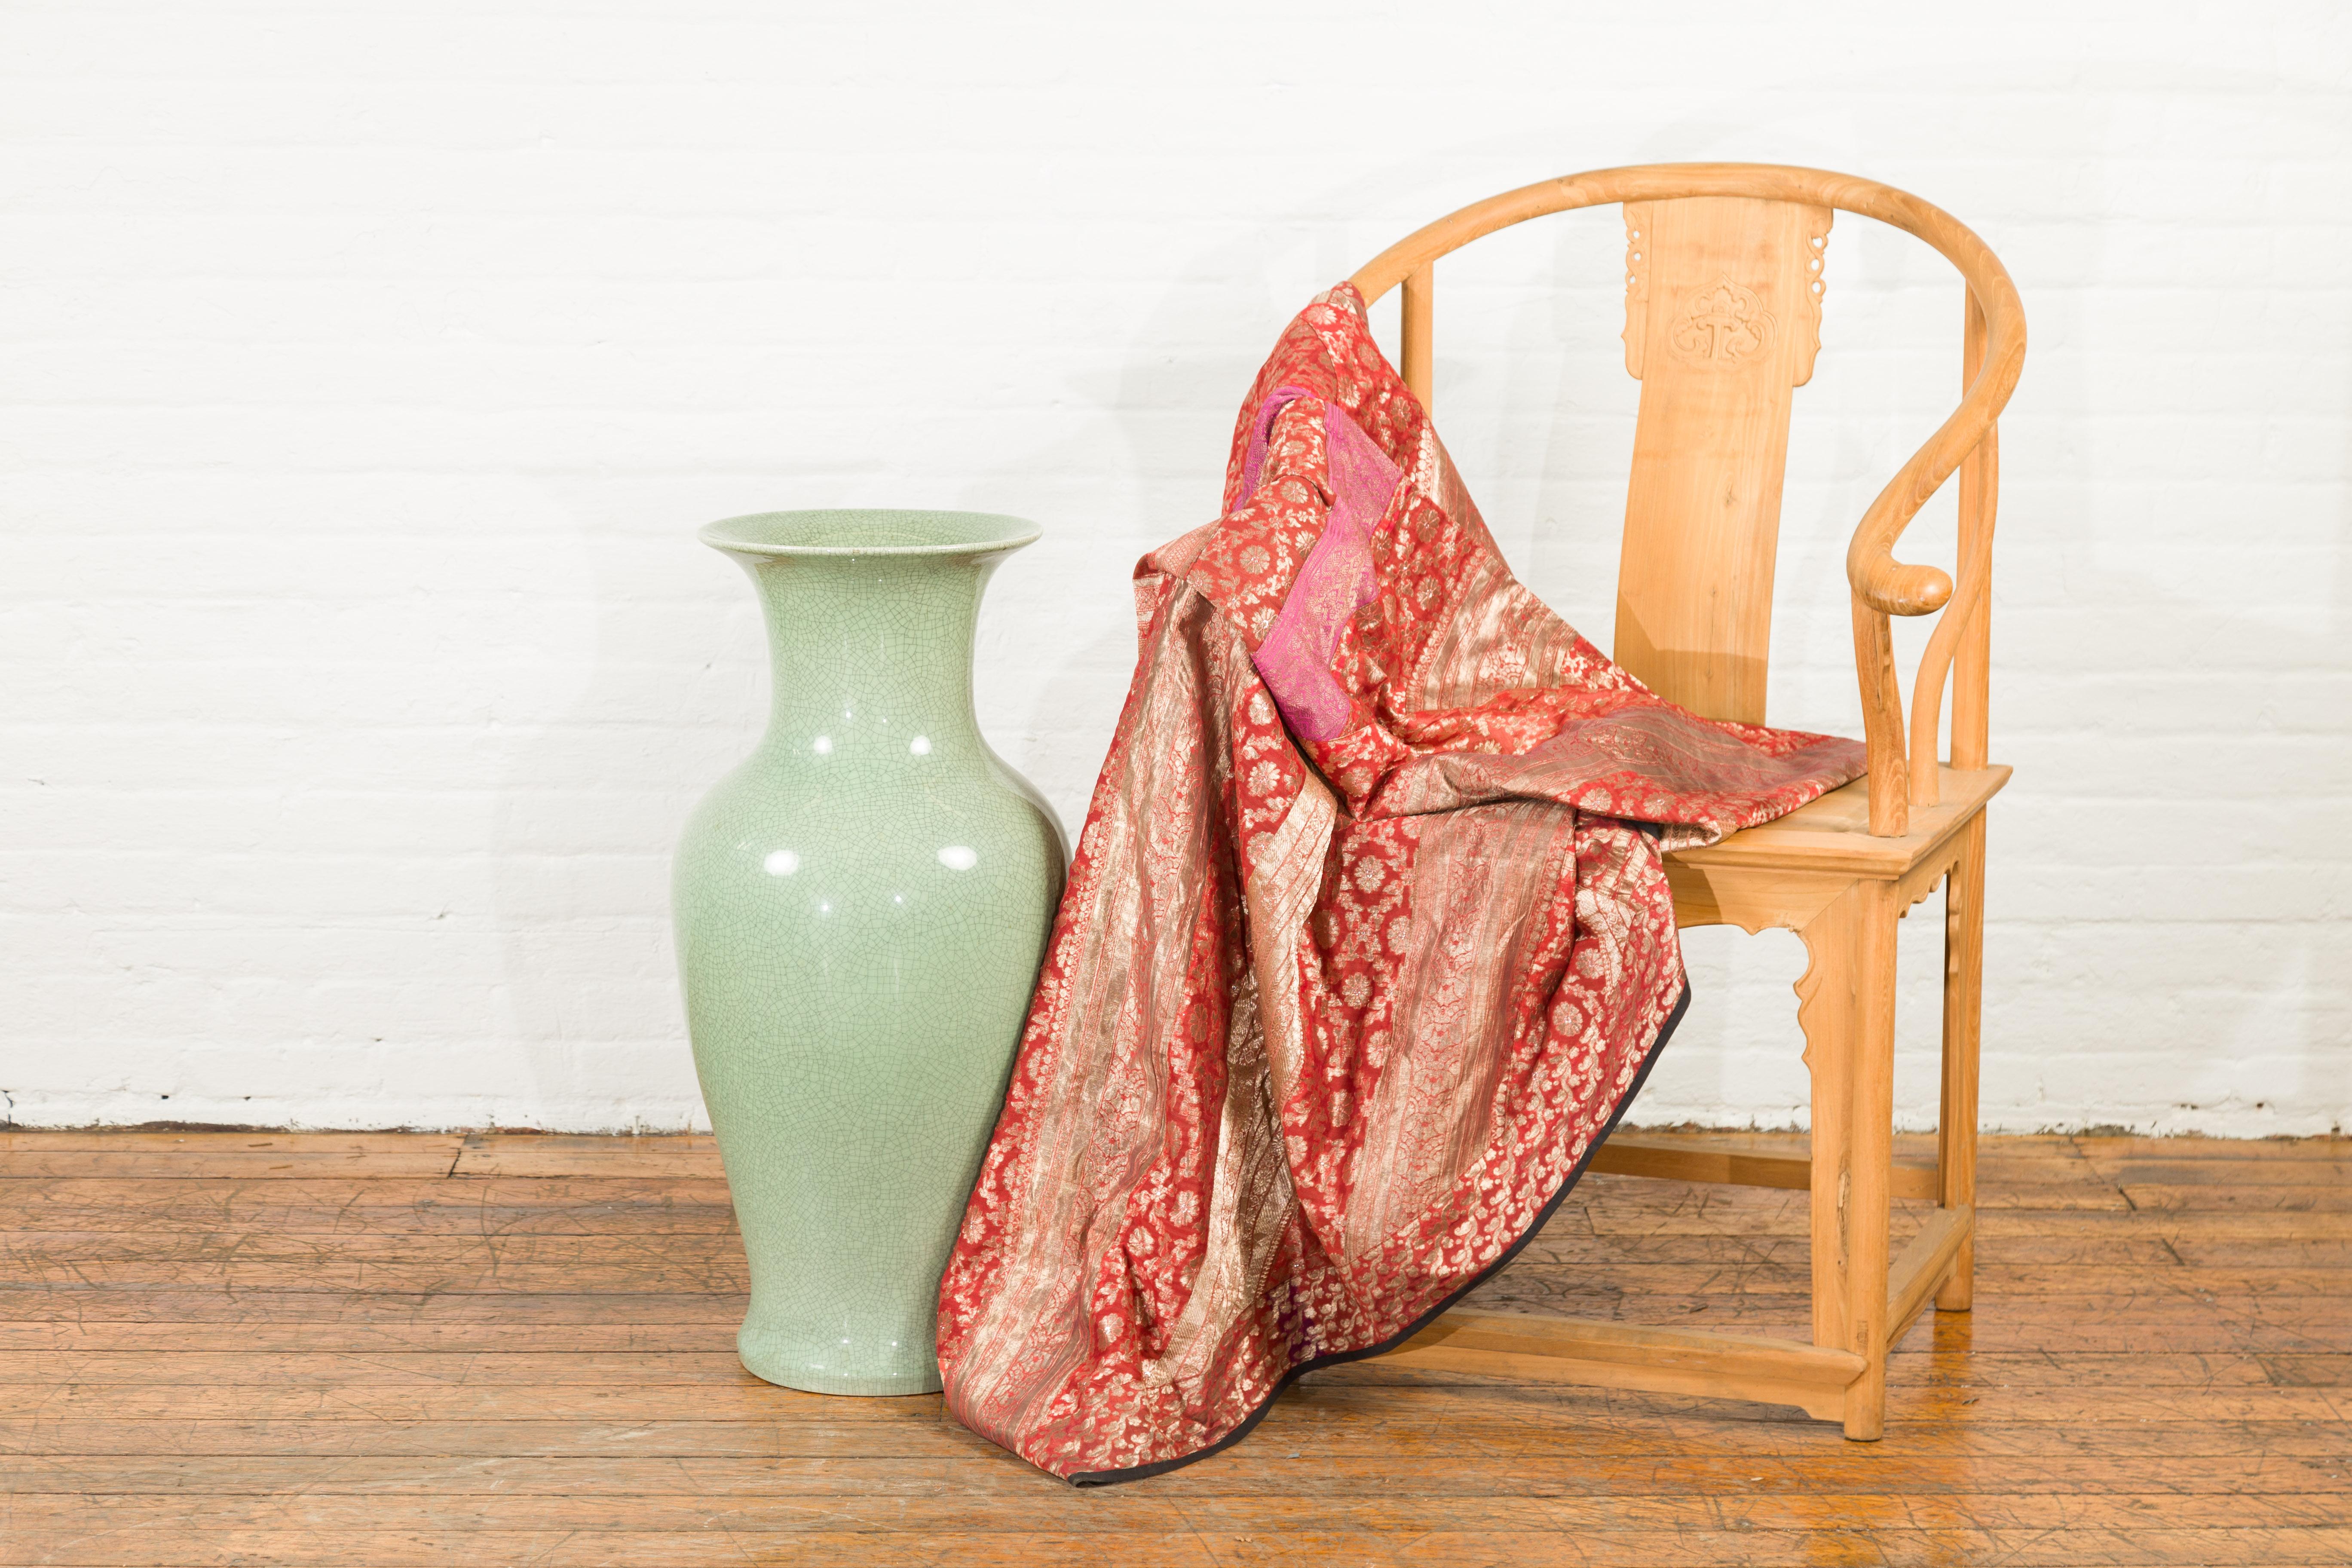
[862, 906]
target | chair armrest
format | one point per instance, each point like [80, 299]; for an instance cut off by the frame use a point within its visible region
[1882, 586]
[1890, 586]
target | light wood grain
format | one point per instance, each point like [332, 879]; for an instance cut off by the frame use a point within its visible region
[1925, 1264]
[909, 1510]
[1413, 342]
[2166, 1384]
[1691, 1160]
[1832, 833]
[427, 1158]
[1410, 1542]
[1725, 269]
[1877, 1480]
[1956, 1140]
[1717, 243]
[1721, 325]
[1979, 486]
[1539, 1348]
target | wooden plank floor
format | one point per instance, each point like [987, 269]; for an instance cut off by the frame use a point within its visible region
[256, 1348]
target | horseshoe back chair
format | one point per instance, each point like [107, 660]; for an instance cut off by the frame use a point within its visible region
[1723, 293]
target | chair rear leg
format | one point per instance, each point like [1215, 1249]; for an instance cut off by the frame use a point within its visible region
[1956, 1133]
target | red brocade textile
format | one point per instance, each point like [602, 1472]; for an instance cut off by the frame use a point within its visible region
[1367, 943]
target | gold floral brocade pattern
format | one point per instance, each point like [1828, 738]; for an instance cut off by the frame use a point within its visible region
[1327, 1024]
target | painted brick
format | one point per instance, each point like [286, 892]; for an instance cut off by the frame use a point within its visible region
[367, 370]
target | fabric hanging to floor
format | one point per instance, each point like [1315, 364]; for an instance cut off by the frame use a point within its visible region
[1367, 943]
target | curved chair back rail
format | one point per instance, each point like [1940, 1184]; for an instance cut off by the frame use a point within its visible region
[1724, 265]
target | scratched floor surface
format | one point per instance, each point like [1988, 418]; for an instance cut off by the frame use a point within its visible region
[411, 1349]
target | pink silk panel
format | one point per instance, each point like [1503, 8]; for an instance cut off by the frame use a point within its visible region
[1367, 943]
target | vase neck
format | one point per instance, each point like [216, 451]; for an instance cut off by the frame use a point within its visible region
[871, 656]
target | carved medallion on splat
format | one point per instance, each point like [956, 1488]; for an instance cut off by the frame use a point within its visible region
[1721, 323]
[1720, 302]
[1730, 290]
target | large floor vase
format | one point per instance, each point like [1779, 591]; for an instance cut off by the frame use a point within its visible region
[862, 907]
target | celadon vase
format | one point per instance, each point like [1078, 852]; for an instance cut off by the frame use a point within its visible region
[861, 909]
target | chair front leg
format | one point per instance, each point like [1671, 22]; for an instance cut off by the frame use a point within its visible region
[1956, 1127]
[1847, 1009]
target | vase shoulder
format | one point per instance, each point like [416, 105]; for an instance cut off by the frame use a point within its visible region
[781, 831]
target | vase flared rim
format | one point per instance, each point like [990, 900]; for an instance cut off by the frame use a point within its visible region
[869, 531]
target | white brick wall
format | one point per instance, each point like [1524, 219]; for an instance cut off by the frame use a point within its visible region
[366, 367]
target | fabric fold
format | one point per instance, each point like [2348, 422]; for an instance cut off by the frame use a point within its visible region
[1367, 943]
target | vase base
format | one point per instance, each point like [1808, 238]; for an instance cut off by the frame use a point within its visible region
[788, 1370]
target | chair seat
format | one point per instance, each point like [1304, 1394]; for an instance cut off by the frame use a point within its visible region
[1832, 834]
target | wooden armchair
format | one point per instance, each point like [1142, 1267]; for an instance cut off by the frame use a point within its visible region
[1722, 322]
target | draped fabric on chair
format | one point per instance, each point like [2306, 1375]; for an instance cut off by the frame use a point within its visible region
[1367, 944]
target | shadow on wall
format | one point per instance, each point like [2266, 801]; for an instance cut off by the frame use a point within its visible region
[590, 802]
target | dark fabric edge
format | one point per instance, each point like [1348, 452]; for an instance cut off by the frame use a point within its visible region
[1340, 1358]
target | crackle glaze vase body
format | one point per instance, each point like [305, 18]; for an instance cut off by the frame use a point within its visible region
[861, 909]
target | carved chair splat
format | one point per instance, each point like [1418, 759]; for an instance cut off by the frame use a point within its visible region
[1725, 276]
